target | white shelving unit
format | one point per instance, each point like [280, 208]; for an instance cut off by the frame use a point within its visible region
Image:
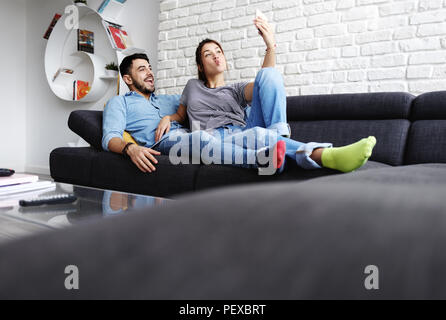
[62, 52]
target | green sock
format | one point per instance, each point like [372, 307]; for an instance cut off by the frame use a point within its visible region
[350, 157]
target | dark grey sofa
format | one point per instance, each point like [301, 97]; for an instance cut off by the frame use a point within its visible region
[300, 235]
[287, 240]
[409, 130]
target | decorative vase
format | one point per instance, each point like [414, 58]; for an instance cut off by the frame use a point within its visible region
[111, 73]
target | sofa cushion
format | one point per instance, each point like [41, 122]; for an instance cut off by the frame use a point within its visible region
[72, 165]
[106, 170]
[391, 135]
[213, 176]
[427, 142]
[345, 118]
[427, 136]
[429, 106]
[432, 174]
[88, 125]
[358, 106]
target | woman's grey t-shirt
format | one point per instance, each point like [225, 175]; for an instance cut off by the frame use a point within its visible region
[214, 108]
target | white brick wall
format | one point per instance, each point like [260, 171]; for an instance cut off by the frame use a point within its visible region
[332, 46]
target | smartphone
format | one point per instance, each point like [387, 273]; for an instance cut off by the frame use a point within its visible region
[259, 14]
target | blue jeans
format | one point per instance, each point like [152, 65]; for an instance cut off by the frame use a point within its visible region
[205, 147]
[268, 106]
[233, 145]
[259, 138]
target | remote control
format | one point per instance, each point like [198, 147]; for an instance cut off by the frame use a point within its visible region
[53, 199]
[6, 172]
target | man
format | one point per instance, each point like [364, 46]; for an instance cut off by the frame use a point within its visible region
[139, 112]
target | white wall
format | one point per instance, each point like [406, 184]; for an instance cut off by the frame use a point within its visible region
[323, 46]
[46, 116]
[13, 85]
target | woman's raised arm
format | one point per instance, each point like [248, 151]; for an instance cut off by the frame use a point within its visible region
[267, 33]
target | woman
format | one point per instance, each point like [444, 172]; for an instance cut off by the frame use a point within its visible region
[211, 104]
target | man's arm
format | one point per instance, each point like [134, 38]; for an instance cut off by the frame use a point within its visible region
[142, 157]
[114, 124]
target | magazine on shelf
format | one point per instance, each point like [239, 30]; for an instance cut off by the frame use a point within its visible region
[126, 38]
[85, 41]
[118, 36]
[80, 89]
[52, 25]
[111, 8]
[63, 71]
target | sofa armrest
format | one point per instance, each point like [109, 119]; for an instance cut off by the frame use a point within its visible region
[88, 125]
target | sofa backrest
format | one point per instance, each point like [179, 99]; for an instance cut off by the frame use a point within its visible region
[342, 119]
[345, 118]
[427, 136]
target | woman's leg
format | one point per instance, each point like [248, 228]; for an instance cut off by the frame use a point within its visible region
[315, 155]
[345, 159]
[202, 147]
[260, 138]
[260, 148]
[268, 107]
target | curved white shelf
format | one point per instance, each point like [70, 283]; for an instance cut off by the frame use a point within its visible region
[61, 52]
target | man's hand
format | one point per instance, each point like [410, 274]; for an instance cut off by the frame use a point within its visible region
[163, 128]
[143, 157]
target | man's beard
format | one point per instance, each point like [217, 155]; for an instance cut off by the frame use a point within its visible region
[142, 88]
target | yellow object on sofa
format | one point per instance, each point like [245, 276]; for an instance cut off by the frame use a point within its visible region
[128, 138]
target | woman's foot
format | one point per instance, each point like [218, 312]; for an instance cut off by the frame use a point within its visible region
[348, 158]
[277, 156]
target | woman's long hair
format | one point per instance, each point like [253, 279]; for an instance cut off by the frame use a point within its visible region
[198, 58]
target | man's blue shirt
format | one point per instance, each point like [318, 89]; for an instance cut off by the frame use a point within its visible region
[138, 116]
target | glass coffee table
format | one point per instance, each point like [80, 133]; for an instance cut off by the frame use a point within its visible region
[91, 204]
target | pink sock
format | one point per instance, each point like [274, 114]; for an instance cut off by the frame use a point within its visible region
[279, 154]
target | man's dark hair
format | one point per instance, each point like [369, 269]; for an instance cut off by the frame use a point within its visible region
[127, 62]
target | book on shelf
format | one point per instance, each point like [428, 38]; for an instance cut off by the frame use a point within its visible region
[118, 36]
[85, 41]
[80, 89]
[56, 18]
[126, 39]
[111, 8]
[63, 71]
